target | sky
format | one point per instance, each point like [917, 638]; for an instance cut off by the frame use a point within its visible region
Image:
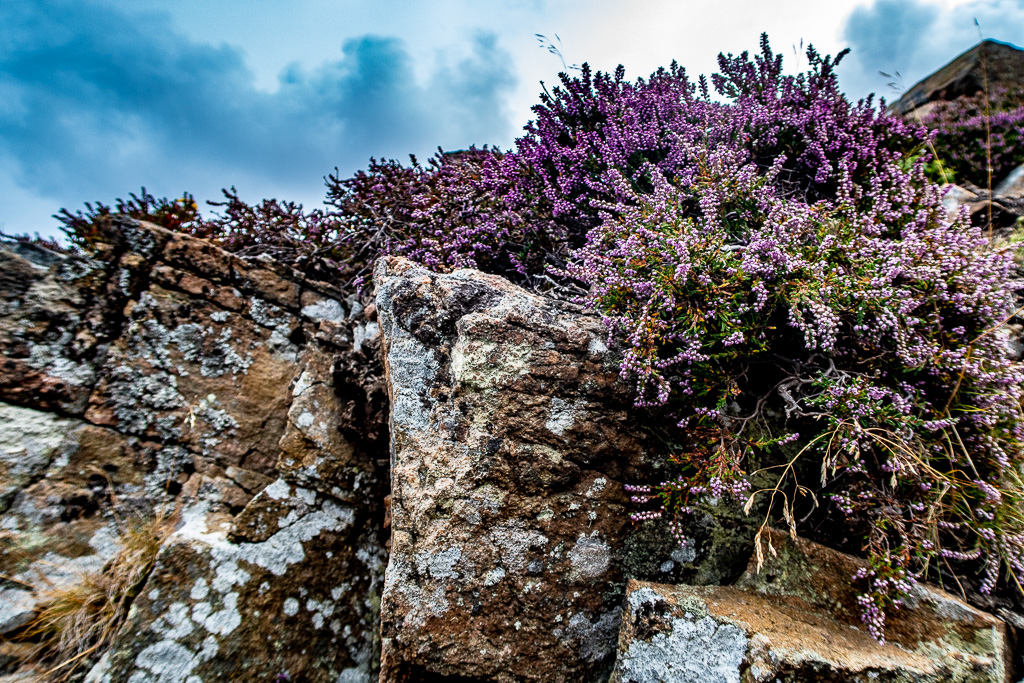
[101, 97]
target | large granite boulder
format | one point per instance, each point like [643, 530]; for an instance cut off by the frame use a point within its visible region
[287, 592]
[511, 438]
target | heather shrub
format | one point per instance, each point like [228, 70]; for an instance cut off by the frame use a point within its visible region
[963, 134]
[427, 213]
[795, 339]
[174, 214]
[35, 240]
[823, 320]
[306, 240]
[432, 214]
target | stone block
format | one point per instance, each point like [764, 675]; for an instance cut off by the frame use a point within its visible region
[510, 437]
[796, 620]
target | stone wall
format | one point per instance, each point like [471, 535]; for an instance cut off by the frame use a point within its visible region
[422, 484]
[164, 376]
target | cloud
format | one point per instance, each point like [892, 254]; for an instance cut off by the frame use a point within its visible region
[916, 37]
[100, 101]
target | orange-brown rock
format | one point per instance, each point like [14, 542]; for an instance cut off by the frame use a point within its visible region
[161, 375]
[797, 620]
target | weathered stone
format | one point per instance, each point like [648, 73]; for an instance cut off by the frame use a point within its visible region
[250, 481]
[180, 360]
[225, 296]
[198, 256]
[510, 437]
[295, 597]
[162, 375]
[58, 520]
[797, 621]
[319, 308]
[955, 197]
[52, 330]
[185, 371]
[269, 284]
[27, 445]
[314, 451]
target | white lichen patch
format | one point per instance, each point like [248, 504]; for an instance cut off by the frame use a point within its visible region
[419, 603]
[280, 345]
[170, 662]
[200, 589]
[215, 611]
[321, 611]
[564, 415]
[514, 542]
[30, 434]
[266, 314]
[494, 576]
[362, 333]
[589, 557]
[440, 565]
[305, 381]
[684, 553]
[30, 441]
[325, 309]
[486, 364]
[228, 575]
[596, 487]
[278, 489]
[644, 596]
[215, 358]
[50, 359]
[592, 638]
[218, 621]
[699, 650]
[217, 418]
[412, 368]
[138, 398]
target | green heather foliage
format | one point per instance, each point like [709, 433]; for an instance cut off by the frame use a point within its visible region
[778, 272]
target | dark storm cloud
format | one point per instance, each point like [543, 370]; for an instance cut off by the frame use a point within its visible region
[97, 102]
[914, 38]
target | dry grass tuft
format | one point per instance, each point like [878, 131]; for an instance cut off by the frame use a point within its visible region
[73, 622]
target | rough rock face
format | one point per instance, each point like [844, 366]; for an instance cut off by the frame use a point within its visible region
[796, 620]
[511, 437]
[1012, 187]
[162, 375]
[289, 591]
[1005, 205]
